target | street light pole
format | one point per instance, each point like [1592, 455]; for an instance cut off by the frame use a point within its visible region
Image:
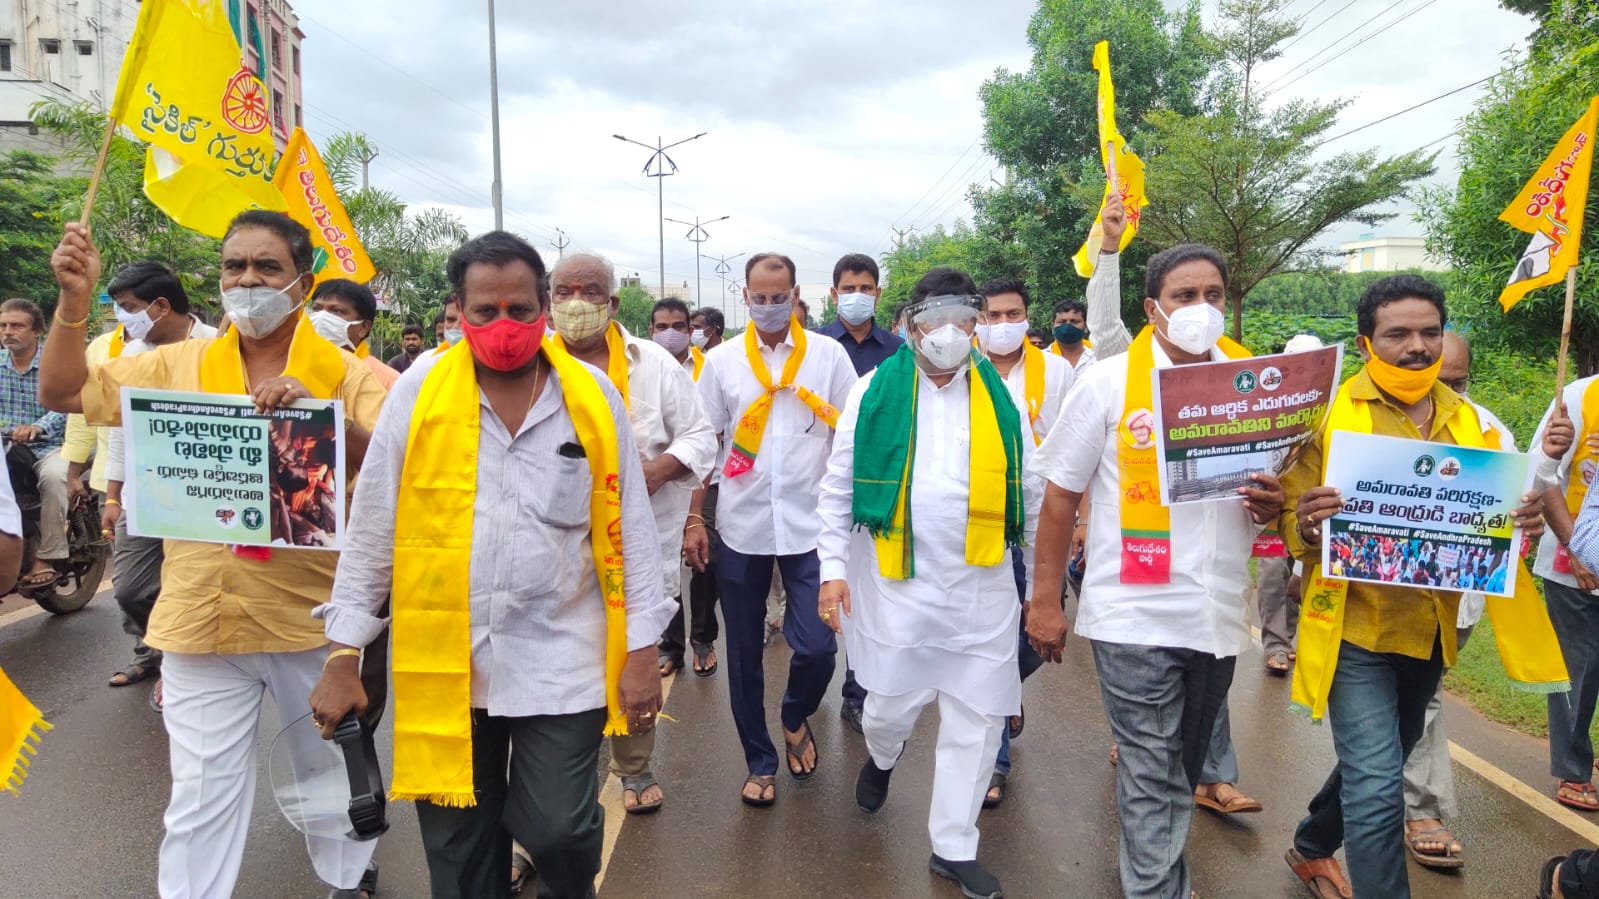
[494, 115]
[722, 269]
[699, 235]
[660, 161]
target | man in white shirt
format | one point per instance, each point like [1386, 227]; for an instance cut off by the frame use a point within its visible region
[675, 443]
[773, 395]
[1070, 334]
[932, 617]
[1163, 596]
[544, 630]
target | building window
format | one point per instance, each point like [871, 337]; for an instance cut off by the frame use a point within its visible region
[85, 48]
[277, 108]
[5, 56]
[298, 122]
[50, 46]
[277, 50]
[294, 56]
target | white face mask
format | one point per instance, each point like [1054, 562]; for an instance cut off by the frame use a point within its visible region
[137, 325]
[333, 329]
[772, 318]
[699, 338]
[453, 336]
[1002, 339]
[672, 340]
[855, 308]
[946, 349]
[258, 311]
[1195, 328]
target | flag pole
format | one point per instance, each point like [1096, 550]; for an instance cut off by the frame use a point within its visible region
[1565, 332]
[99, 169]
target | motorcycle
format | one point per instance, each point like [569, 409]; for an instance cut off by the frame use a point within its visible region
[78, 576]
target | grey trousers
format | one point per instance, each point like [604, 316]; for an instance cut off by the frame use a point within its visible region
[1279, 612]
[136, 580]
[1429, 781]
[1162, 704]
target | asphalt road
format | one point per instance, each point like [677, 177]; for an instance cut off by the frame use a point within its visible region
[88, 820]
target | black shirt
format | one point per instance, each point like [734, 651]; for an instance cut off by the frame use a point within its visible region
[866, 354]
[401, 362]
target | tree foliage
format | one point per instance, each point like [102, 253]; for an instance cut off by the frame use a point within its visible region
[30, 199]
[634, 309]
[1524, 111]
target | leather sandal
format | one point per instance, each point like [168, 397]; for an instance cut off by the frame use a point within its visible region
[1208, 796]
[1449, 858]
[1322, 876]
[1580, 796]
[637, 784]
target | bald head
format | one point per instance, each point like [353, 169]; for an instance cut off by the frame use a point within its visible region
[1455, 373]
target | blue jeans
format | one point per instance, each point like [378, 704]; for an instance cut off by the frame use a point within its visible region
[1575, 615]
[1377, 708]
[1027, 658]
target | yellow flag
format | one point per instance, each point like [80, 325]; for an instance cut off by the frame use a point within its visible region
[1550, 208]
[308, 191]
[184, 90]
[1124, 171]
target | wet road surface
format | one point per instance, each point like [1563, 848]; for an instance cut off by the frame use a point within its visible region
[88, 822]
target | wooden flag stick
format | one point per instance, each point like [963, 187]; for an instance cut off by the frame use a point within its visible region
[99, 169]
[1565, 332]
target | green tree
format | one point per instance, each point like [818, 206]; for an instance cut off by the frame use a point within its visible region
[633, 309]
[30, 198]
[1524, 111]
[1246, 179]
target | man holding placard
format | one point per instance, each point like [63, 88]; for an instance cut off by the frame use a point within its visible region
[234, 622]
[1389, 642]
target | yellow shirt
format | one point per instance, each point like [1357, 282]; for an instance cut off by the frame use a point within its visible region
[83, 441]
[211, 600]
[1400, 620]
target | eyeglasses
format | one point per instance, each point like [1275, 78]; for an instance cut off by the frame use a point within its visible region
[771, 299]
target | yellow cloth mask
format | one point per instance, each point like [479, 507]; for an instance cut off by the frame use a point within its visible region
[1406, 385]
[579, 319]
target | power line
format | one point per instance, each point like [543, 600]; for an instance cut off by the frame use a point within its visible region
[1312, 29]
[1368, 37]
[1340, 39]
[961, 182]
[939, 180]
[1405, 110]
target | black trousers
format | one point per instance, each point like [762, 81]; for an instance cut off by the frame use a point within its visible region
[1579, 875]
[702, 595]
[549, 803]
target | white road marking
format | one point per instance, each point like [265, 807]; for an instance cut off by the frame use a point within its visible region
[611, 797]
[1586, 830]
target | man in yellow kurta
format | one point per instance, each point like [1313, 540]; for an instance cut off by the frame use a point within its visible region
[1395, 641]
[232, 625]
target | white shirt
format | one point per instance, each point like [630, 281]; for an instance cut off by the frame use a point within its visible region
[1088, 357]
[1058, 377]
[1203, 606]
[537, 616]
[771, 509]
[1105, 327]
[953, 626]
[1472, 605]
[116, 444]
[668, 419]
[1549, 544]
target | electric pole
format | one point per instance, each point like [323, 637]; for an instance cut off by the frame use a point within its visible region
[560, 243]
[367, 153]
[699, 235]
[899, 235]
[722, 270]
[494, 115]
[660, 161]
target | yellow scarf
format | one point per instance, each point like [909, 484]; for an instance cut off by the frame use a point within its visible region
[432, 649]
[361, 350]
[1146, 524]
[1576, 485]
[21, 726]
[616, 359]
[117, 342]
[1522, 631]
[699, 361]
[752, 424]
[1033, 386]
[312, 360]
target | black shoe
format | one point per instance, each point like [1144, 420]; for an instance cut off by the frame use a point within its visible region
[871, 787]
[367, 887]
[975, 881]
[851, 713]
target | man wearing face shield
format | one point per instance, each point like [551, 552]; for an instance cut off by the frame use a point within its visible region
[1162, 599]
[923, 502]
[1374, 668]
[773, 396]
[675, 445]
[232, 624]
[505, 507]
[342, 311]
[152, 310]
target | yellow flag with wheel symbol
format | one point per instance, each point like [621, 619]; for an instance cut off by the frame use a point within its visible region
[1124, 171]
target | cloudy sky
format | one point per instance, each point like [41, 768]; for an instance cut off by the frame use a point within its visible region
[828, 123]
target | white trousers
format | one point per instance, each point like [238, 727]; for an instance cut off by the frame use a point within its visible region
[967, 743]
[212, 708]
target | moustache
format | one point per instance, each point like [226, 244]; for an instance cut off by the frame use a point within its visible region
[1416, 360]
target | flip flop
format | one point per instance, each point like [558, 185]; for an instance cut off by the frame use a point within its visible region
[796, 754]
[764, 782]
[523, 863]
[703, 651]
[1448, 858]
[638, 783]
[669, 664]
[158, 698]
[1016, 723]
[995, 781]
[1322, 876]
[1585, 799]
[1277, 662]
[37, 578]
[1235, 805]
[133, 674]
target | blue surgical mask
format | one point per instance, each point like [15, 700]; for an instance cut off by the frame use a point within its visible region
[856, 308]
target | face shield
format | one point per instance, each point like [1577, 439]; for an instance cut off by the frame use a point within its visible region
[940, 330]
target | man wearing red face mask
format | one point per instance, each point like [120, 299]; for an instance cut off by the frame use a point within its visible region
[504, 504]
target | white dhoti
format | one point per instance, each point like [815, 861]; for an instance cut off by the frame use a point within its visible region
[212, 708]
[967, 743]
